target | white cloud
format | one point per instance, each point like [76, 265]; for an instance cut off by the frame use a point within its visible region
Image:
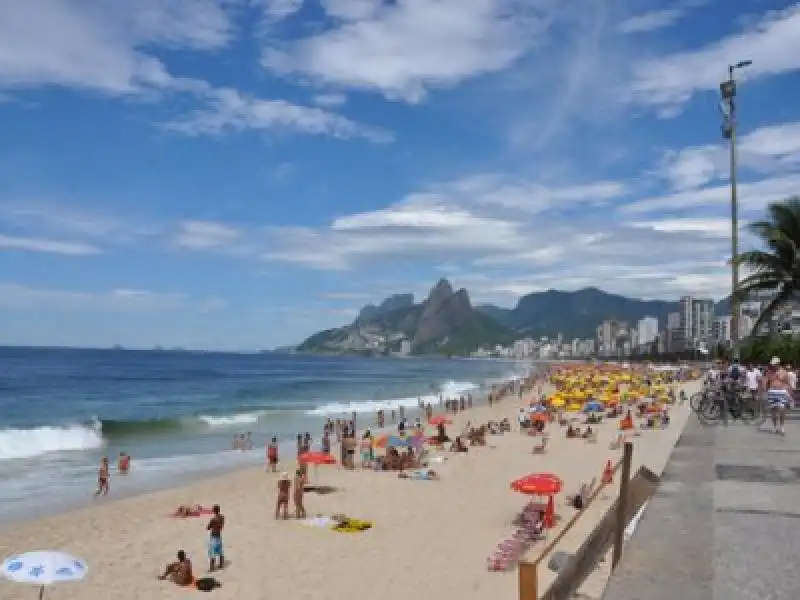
[46, 246]
[769, 149]
[530, 196]
[495, 241]
[110, 47]
[405, 48]
[274, 11]
[701, 226]
[773, 44]
[103, 45]
[650, 21]
[230, 110]
[206, 235]
[416, 228]
[18, 296]
[58, 219]
[753, 196]
[330, 100]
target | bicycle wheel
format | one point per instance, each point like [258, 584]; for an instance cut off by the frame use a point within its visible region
[753, 412]
[710, 412]
[696, 400]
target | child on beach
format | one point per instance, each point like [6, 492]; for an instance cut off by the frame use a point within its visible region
[282, 504]
[215, 548]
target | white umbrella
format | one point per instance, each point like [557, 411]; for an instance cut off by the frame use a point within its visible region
[44, 567]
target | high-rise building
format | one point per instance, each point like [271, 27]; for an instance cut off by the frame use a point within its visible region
[721, 329]
[647, 330]
[696, 318]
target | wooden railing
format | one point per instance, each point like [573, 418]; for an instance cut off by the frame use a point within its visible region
[528, 570]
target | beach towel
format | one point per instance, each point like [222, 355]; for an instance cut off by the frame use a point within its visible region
[352, 526]
[203, 512]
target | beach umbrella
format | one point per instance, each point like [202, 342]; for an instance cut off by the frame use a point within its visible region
[316, 458]
[395, 441]
[593, 406]
[440, 420]
[44, 567]
[538, 484]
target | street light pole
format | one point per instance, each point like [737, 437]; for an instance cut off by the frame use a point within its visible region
[728, 92]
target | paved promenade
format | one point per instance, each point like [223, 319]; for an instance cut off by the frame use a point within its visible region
[724, 524]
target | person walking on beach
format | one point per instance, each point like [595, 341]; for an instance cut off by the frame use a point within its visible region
[272, 455]
[215, 548]
[102, 478]
[282, 503]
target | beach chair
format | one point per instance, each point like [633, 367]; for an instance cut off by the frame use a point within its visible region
[541, 448]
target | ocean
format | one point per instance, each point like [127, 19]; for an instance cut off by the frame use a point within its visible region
[175, 413]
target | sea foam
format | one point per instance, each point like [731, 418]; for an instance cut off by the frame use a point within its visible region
[28, 443]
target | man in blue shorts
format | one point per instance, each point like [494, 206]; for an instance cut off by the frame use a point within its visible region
[215, 549]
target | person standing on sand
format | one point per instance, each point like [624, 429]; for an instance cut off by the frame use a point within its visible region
[272, 455]
[102, 478]
[299, 490]
[215, 548]
[282, 503]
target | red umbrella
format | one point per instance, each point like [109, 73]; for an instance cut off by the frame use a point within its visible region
[440, 419]
[538, 484]
[316, 458]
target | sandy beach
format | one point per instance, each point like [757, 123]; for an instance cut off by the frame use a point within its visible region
[430, 537]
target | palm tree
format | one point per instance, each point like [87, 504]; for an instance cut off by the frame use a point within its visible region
[776, 268]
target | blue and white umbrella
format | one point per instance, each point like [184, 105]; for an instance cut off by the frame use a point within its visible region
[44, 568]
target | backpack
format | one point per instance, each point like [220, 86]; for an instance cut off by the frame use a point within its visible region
[206, 584]
[735, 373]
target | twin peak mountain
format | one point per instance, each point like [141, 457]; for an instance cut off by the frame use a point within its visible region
[447, 323]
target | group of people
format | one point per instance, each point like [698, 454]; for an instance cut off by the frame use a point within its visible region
[180, 571]
[104, 473]
[775, 384]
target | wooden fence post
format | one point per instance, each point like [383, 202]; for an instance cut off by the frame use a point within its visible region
[528, 581]
[622, 505]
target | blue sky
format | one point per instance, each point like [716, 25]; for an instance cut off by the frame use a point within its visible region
[238, 174]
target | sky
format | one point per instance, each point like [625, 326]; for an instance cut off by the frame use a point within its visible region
[238, 174]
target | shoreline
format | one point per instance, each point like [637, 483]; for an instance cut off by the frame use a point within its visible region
[230, 461]
[435, 535]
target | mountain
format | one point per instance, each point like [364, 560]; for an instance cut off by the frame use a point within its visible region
[392, 303]
[444, 323]
[575, 314]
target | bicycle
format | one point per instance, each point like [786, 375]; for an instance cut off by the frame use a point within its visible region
[710, 405]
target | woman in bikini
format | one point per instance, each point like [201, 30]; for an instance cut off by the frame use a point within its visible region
[778, 393]
[102, 478]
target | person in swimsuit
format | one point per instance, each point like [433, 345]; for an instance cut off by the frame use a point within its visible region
[215, 548]
[778, 393]
[299, 490]
[180, 571]
[102, 478]
[123, 463]
[272, 455]
[282, 505]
